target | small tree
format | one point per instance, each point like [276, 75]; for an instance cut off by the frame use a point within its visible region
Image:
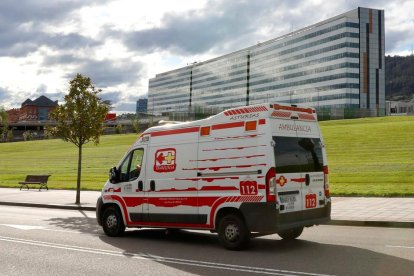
[80, 119]
[27, 135]
[4, 121]
[135, 124]
[119, 129]
[9, 135]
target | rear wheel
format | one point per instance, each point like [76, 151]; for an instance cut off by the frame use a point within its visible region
[233, 233]
[112, 223]
[291, 234]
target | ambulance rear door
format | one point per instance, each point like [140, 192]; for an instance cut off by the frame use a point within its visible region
[288, 157]
[312, 161]
[298, 152]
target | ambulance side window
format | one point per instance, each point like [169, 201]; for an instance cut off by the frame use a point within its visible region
[130, 168]
[136, 163]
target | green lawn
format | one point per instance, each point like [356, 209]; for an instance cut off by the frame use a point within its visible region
[59, 159]
[373, 156]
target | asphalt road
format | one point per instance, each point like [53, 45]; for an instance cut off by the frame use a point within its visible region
[36, 241]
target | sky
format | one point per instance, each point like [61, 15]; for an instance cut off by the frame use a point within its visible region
[121, 44]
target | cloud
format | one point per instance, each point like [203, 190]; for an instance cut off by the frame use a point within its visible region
[4, 94]
[114, 96]
[26, 11]
[55, 96]
[68, 41]
[108, 73]
[19, 43]
[126, 106]
[41, 88]
[394, 39]
[198, 31]
[47, 42]
[24, 26]
[103, 73]
[61, 59]
[225, 26]
[9, 99]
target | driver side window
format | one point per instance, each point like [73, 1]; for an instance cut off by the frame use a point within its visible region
[130, 168]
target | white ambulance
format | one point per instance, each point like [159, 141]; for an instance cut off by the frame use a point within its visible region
[245, 172]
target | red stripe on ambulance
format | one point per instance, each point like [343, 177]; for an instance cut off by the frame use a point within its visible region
[175, 131]
[235, 148]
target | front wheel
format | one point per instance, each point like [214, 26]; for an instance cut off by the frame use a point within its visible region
[233, 233]
[291, 234]
[112, 223]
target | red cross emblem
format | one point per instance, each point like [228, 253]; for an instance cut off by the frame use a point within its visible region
[282, 181]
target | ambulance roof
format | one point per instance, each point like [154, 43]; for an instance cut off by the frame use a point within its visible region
[282, 111]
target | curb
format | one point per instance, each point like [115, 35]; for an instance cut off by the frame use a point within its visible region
[50, 206]
[370, 223]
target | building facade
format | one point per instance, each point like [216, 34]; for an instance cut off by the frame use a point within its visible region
[335, 64]
[37, 110]
[400, 108]
[142, 106]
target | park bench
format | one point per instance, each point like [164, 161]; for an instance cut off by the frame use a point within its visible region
[35, 179]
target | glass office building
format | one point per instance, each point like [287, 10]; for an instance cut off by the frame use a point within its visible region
[335, 64]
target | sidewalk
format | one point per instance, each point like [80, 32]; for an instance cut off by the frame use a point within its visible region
[57, 199]
[353, 211]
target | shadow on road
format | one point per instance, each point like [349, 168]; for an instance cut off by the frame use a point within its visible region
[267, 252]
[298, 255]
[83, 224]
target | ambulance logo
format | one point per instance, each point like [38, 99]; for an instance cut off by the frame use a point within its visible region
[281, 181]
[165, 160]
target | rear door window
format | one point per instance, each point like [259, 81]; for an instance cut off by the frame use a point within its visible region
[294, 154]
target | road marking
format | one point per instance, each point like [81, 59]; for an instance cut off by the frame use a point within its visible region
[33, 227]
[23, 227]
[400, 246]
[160, 259]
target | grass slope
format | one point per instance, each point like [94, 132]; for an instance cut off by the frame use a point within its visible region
[59, 159]
[373, 156]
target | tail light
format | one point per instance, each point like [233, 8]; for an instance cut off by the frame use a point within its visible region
[271, 185]
[326, 182]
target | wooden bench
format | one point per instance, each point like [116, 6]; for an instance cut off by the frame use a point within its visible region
[35, 179]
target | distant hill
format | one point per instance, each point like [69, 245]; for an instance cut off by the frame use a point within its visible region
[399, 77]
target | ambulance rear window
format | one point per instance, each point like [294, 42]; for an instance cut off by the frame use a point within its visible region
[294, 154]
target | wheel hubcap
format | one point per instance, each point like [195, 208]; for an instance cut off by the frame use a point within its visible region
[111, 221]
[232, 232]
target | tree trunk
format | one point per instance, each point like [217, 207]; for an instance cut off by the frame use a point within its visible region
[78, 182]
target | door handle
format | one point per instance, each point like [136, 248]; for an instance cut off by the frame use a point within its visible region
[307, 179]
[152, 185]
[140, 185]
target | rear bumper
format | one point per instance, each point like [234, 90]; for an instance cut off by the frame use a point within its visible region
[265, 218]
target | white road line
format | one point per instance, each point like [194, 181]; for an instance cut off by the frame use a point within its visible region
[159, 259]
[33, 227]
[400, 246]
[24, 227]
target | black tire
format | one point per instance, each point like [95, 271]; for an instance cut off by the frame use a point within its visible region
[291, 234]
[233, 233]
[112, 222]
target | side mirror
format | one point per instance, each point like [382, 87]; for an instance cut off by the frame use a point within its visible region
[113, 175]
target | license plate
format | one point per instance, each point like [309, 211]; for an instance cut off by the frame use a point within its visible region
[287, 199]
